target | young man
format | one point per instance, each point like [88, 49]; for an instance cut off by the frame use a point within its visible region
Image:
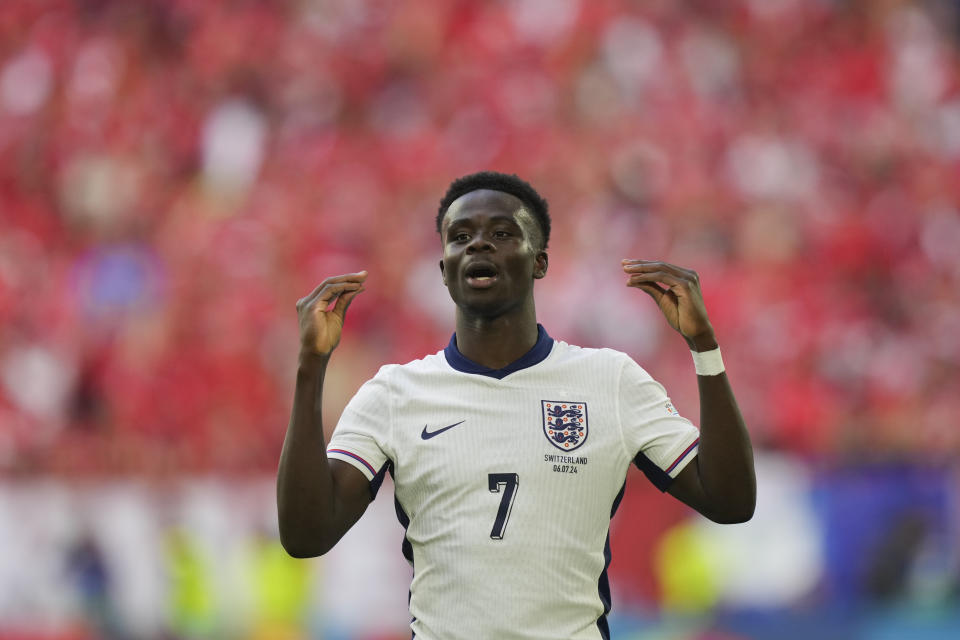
[508, 449]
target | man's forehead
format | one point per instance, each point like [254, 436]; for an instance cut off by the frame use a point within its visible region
[490, 202]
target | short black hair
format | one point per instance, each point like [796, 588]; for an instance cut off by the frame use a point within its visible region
[506, 182]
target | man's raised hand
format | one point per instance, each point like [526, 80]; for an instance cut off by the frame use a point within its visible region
[679, 298]
[321, 324]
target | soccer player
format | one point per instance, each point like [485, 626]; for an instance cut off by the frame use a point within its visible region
[508, 449]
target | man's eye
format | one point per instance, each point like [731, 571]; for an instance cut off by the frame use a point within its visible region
[461, 237]
[501, 234]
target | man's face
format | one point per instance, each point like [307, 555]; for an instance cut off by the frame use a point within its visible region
[491, 252]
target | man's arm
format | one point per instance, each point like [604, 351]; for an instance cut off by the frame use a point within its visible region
[318, 500]
[720, 482]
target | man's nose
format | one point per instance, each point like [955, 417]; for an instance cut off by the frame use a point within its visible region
[479, 242]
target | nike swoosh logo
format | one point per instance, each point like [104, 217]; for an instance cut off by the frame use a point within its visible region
[426, 435]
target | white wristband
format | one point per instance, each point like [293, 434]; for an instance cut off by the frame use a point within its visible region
[708, 363]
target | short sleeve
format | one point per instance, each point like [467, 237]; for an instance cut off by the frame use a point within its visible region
[661, 441]
[361, 435]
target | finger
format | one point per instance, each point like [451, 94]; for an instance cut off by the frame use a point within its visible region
[662, 277]
[653, 290]
[343, 302]
[358, 276]
[644, 266]
[630, 262]
[330, 292]
[641, 284]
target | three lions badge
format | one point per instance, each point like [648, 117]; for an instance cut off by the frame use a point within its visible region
[564, 423]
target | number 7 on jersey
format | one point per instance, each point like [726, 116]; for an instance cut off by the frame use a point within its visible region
[505, 483]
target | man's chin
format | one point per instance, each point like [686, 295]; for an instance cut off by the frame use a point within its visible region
[480, 303]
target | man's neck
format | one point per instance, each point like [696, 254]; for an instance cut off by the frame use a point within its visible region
[496, 342]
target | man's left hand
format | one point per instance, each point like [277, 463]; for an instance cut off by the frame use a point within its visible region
[677, 292]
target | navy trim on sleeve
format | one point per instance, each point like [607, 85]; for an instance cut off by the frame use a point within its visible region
[660, 479]
[378, 479]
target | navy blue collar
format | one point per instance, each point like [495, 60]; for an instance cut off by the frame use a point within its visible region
[537, 354]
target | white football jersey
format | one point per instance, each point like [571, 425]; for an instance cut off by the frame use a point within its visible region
[506, 481]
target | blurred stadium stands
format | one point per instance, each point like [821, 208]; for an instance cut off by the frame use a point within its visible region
[174, 175]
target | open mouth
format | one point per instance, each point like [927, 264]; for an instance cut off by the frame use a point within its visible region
[481, 275]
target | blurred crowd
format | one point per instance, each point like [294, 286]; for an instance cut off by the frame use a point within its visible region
[174, 175]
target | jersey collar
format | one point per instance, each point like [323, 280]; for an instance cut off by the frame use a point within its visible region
[537, 354]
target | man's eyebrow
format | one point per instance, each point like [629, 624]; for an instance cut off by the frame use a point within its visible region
[498, 218]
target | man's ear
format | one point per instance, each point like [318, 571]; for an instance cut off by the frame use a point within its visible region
[540, 265]
[443, 274]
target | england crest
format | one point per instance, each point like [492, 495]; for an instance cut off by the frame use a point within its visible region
[564, 423]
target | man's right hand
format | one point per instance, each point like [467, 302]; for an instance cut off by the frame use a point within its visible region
[321, 325]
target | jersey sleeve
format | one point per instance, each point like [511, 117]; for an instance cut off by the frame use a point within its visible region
[660, 440]
[361, 437]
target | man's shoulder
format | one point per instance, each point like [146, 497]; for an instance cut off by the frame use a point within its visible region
[605, 365]
[565, 350]
[427, 364]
